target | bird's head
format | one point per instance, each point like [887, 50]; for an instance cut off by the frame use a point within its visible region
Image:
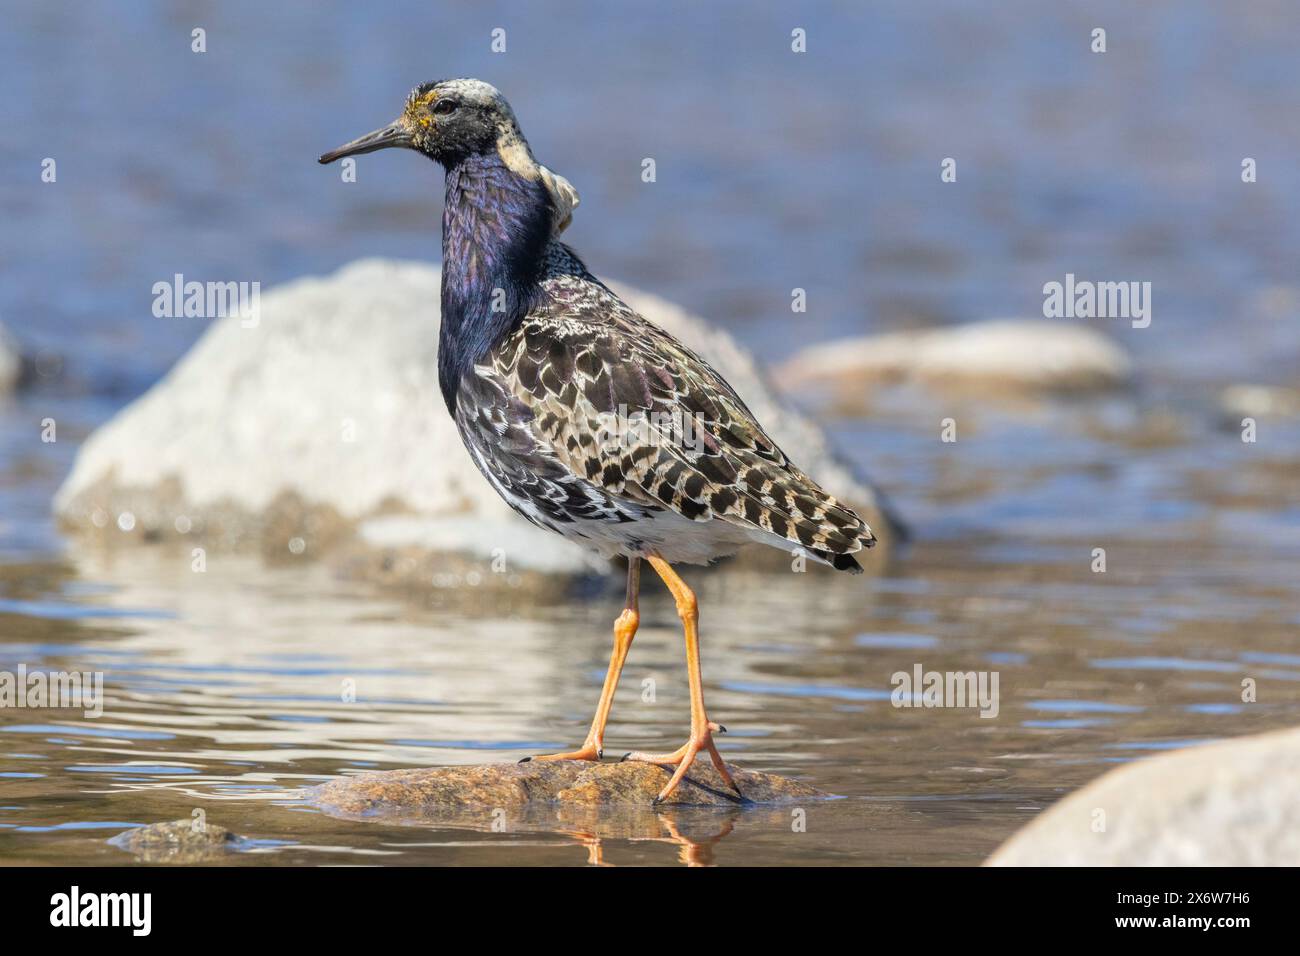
[453, 120]
[448, 121]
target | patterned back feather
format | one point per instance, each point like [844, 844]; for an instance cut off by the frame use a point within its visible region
[617, 418]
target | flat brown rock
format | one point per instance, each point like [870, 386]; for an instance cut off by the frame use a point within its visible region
[441, 792]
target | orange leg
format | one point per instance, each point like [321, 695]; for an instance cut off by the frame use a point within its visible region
[701, 727]
[624, 631]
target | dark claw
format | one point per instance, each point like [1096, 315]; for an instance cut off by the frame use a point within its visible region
[525, 759]
[722, 728]
[655, 802]
[625, 756]
[600, 755]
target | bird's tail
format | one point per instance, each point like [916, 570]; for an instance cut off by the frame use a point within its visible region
[792, 506]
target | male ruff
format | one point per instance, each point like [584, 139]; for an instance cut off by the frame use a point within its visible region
[538, 360]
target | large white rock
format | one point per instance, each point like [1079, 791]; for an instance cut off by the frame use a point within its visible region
[334, 396]
[1005, 353]
[11, 364]
[1232, 803]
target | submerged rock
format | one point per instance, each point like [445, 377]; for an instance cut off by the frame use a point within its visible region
[11, 363]
[447, 793]
[323, 423]
[179, 841]
[1009, 354]
[1231, 803]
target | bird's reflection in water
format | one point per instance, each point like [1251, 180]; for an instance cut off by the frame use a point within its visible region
[696, 831]
[694, 838]
[607, 832]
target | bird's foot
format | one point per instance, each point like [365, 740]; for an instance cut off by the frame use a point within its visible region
[684, 756]
[591, 750]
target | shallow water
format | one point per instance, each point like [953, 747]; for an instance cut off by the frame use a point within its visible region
[225, 694]
[225, 690]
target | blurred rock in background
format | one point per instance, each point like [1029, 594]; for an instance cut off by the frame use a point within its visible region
[1230, 803]
[11, 363]
[987, 357]
[323, 425]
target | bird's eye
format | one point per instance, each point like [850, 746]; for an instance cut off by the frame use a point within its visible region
[443, 107]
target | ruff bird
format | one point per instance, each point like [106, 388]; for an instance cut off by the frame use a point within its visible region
[587, 418]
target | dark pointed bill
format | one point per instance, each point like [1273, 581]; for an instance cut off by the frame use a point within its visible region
[394, 134]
